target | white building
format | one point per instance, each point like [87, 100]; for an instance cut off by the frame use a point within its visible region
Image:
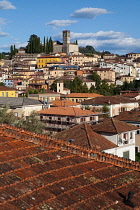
[120, 133]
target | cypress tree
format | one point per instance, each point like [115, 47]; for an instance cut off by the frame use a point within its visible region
[47, 46]
[50, 45]
[44, 46]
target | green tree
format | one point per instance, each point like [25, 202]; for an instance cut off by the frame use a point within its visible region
[7, 116]
[44, 45]
[138, 157]
[47, 46]
[105, 110]
[33, 44]
[31, 123]
[50, 45]
[95, 77]
[2, 84]
[54, 85]
[92, 89]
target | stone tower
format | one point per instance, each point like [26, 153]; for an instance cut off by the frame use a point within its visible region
[66, 41]
[66, 37]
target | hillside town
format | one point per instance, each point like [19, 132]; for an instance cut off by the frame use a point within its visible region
[69, 128]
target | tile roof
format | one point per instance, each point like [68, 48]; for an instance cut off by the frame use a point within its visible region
[69, 111]
[131, 116]
[64, 103]
[3, 88]
[83, 95]
[108, 100]
[112, 125]
[84, 135]
[131, 95]
[39, 172]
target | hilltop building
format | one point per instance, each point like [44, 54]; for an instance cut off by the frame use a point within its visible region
[66, 46]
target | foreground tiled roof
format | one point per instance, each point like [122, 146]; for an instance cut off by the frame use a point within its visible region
[108, 100]
[112, 125]
[131, 116]
[69, 111]
[84, 135]
[40, 173]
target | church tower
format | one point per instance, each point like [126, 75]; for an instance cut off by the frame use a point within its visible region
[66, 37]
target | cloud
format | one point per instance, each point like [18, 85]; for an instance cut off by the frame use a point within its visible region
[118, 45]
[2, 21]
[60, 23]
[98, 35]
[17, 44]
[89, 13]
[6, 5]
[3, 34]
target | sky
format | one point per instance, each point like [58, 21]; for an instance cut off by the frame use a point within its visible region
[109, 25]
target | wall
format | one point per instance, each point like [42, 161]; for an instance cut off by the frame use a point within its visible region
[119, 151]
[8, 94]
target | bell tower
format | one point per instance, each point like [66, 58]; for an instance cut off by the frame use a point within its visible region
[66, 37]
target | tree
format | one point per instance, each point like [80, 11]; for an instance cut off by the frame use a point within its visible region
[31, 123]
[92, 89]
[50, 45]
[33, 44]
[47, 46]
[44, 45]
[6, 116]
[105, 110]
[54, 85]
[95, 77]
[2, 84]
[138, 157]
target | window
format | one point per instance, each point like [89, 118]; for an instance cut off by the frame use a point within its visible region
[126, 154]
[6, 94]
[90, 118]
[16, 114]
[2, 94]
[131, 136]
[125, 136]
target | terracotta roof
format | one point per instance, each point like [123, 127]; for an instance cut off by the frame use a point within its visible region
[64, 103]
[102, 69]
[3, 88]
[38, 172]
[69, 111]
[131, 116]
[107, 100]
[83, 95]
[131, 95]
[84, 135]
[111, 125]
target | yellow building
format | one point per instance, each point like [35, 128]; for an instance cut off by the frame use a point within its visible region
[7, 92]
[127, 78]
[43, 60]
[1, 62]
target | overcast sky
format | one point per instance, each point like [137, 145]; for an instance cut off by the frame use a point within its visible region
[111, 25]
